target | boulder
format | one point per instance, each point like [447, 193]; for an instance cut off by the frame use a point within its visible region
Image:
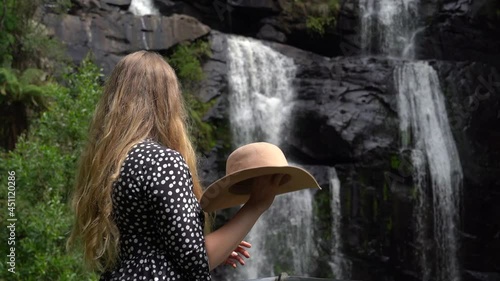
[268, 32]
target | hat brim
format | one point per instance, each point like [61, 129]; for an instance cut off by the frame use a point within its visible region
[231, 191]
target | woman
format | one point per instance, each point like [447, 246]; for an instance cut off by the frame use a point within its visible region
[137, 189]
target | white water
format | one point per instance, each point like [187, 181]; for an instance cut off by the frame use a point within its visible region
[143, 8]
[388, 27]
[340, 266]
[261, 92]
[423, 116]
[144, 40]
[261, 99]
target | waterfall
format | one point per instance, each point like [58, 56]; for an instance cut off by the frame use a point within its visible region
[260, 81]
[340, 266]
[423, 117]
[388, 27]
[144, 39]
[260, 102]
[143, 8]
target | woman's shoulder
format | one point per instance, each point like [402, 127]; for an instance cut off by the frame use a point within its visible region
[151, 152]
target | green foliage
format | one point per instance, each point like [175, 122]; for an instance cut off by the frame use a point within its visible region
[28, 89]
[45, 162]
[203, 133]
[22, 97]
[24, 41]
[319, 15]
[317, 25]
[187, 59]
[28, 57]
[323, 212]
[395, 162]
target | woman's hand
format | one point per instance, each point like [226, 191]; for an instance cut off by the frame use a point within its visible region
[235, 257]
[264, 191]
[223, 241]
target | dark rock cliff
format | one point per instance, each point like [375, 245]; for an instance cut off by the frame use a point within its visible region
[345, 116]
[345, 113]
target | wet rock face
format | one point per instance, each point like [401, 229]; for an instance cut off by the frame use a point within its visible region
[472, 93]
[345, 113]
[344, 110]
[112, 35]
[462, 30]
[455, 30]
[352, 112]
[345, 116]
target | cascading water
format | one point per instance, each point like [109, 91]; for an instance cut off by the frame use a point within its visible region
[340, 266]
[423, 117]
[388, 27]
[143, 8]
[261, 94]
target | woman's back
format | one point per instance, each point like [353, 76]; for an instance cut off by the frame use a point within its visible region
[159, 218]
[137, 215]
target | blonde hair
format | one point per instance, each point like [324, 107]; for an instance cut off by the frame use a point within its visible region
[141, 99]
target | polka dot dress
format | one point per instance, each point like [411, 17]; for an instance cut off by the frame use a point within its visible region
[159, 219]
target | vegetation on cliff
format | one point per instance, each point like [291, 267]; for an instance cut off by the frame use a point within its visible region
[46, 105]
[319, 15]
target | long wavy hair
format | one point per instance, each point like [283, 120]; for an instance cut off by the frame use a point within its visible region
[141, 99]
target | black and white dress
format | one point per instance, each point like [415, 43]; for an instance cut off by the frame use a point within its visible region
[159, 219]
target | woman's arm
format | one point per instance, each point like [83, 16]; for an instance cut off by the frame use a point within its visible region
[220, 243]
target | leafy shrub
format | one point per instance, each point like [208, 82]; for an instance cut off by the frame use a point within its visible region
[45, 162]
[45, 159]
[317, 25]
[24, 42]
[319, 15]
[187, 59]
[28, 55]
[21, 99]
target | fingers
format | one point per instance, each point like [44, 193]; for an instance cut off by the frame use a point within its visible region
[242, 251]
[245, 244]
[230, 262]
[236, 257]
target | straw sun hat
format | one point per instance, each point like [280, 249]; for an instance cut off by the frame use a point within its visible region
[247, 162]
